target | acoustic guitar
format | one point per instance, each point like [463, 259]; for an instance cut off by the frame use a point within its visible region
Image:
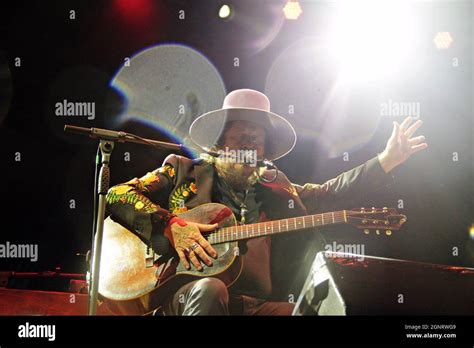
[135, 281]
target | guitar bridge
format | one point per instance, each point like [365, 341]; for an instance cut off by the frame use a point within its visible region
[149, 261]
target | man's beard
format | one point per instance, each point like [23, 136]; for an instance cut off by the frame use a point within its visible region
[238, 176]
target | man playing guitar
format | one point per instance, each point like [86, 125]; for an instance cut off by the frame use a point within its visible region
[149, 206]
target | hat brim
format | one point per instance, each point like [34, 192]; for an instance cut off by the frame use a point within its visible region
[208, 128]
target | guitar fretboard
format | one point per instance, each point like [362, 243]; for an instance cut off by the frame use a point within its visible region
[239, 232]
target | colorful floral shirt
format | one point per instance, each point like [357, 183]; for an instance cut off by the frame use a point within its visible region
[132, 203]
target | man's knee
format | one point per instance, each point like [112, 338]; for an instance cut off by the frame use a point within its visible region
[212, 289]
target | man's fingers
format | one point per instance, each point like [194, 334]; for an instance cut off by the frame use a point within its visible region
[416, 140]
[183, 259]
[194, 260]
[206, 227]
[209, 249]
[203, 256]
[406, 122]
[419, 147]
[409, 132]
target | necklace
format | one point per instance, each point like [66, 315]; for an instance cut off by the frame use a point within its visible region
[243, 207]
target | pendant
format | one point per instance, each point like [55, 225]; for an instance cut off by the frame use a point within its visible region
[243, 212]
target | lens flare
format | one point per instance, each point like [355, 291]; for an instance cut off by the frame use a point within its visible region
[168, 86]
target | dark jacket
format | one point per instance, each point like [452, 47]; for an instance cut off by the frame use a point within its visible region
[145, 205]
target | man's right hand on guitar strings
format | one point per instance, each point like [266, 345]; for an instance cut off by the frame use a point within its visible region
[187, 240]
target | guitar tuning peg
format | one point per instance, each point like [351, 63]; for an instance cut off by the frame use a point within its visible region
[366, 231]
[377, 232]
[388, 232]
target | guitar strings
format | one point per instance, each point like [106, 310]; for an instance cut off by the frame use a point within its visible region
[230, 232]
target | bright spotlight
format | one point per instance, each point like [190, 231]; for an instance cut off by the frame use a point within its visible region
[371, 38]
[443, 40]
[292, 10]
[225, 11]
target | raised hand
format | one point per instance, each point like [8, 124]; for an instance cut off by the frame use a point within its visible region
[400, 145]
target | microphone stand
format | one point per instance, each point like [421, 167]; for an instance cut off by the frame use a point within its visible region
[107, 140]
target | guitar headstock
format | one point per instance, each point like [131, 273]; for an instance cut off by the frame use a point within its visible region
[381, 220]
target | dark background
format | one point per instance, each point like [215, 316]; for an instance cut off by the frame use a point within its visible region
[84, 55]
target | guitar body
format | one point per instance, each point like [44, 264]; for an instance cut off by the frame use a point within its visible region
[133, 282]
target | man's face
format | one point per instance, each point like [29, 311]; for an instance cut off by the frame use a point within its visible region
[243, 135]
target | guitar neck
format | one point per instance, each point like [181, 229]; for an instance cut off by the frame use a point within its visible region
[239, 232]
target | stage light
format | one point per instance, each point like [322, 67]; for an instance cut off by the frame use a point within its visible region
[292, 10]
[225, 11]
[135, 11]
[370, 39]
[443, 40]
[471, 231]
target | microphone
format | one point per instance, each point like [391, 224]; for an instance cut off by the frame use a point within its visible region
[269, 165]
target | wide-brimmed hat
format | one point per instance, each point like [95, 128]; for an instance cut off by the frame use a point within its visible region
[244, 105]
